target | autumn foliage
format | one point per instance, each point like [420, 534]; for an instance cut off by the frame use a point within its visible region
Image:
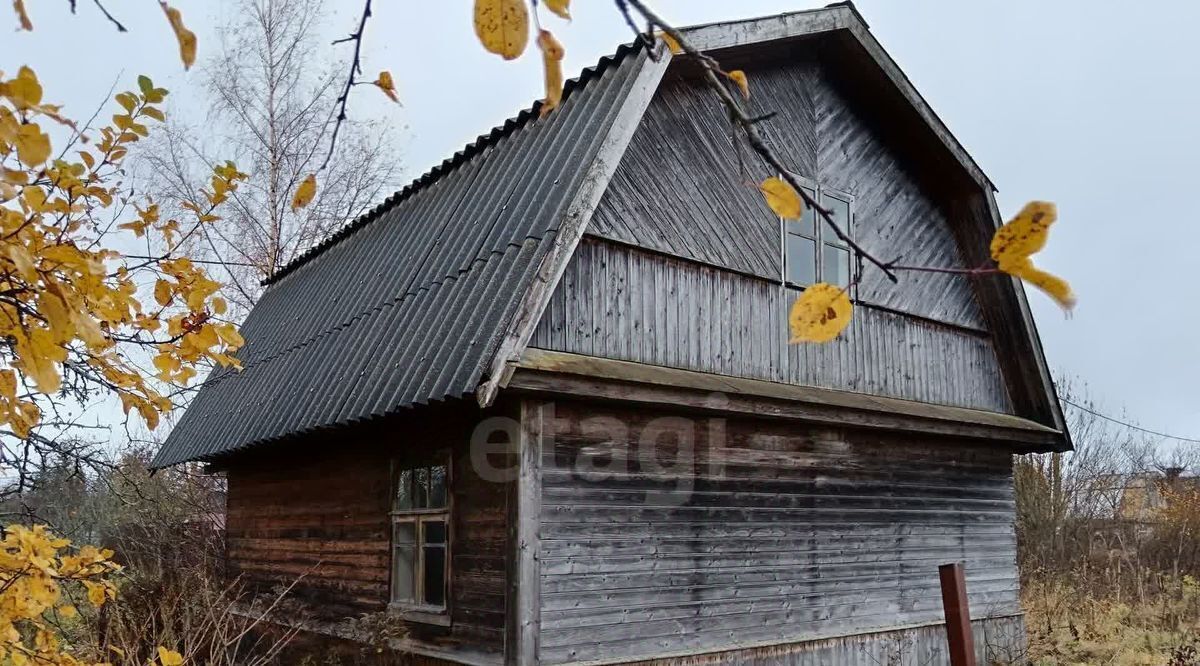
[75, 309]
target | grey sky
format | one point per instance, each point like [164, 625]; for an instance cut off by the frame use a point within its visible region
[1089, 104]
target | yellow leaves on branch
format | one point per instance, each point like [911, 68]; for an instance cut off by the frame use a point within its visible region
[552, 57]
[502, 26]
[782, 198]
[36, 568]
[169, 657]
[1022, 237]
[305, 192]
[73, 305]
[820, 314]
[739, 79]
[185, 37]
[387, 85]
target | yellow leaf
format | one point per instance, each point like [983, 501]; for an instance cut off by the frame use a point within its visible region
[25, 91]
[1023, 236]
[185, 37]
[22, 15]
[552, 56]
[1054, 286]
[671, 43]
[95, 592]
[305, 192]
[68, 611]
[387, 85]
[560, 7]
[739, 77]
[38, 353]
[820, 314]
[169, 657]
[782, 198]
[502, 26]
[21, 258]
[162, 292]
[33, 146]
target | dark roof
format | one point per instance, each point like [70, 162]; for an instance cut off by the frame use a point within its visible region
[407, 305]
[434, 294]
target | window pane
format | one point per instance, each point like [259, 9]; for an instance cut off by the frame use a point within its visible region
[435, 531]
[807, 218]
[801, 260]
[403, 533]
[421, 488]
[840, 212]
[435, 575]
[403, 573]
[837, 266]
[404, 491]
[437, 493]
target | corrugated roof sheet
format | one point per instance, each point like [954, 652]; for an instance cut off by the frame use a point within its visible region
[407, 305]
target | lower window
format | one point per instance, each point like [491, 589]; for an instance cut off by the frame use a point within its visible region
[420, 537]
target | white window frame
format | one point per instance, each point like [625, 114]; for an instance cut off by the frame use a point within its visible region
[415, 607]
[822, 235]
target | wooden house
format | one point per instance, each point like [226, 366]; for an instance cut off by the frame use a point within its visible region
[540, 405]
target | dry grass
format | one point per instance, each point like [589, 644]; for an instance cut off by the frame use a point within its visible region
[1073, 620]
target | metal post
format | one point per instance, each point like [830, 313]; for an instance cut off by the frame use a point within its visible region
[958, 615]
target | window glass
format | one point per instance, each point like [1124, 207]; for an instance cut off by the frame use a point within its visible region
[806, 224]
[404, 490]
[836, 269]
[435, 563]
[840, 212]
[801, 260]
[421, 488]
[404, 572]
[437, 483]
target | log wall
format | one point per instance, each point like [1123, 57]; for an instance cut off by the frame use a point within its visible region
[321, 511]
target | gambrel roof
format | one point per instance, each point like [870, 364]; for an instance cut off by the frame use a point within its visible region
[434, 294]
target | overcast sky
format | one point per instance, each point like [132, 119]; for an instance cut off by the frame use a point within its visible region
[1090, 104]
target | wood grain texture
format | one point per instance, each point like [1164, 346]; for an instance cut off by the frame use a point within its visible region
[321, 511]
[680, 188]
[620, 302]
[663, 532]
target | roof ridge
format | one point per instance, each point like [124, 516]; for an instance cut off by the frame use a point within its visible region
[460, 157]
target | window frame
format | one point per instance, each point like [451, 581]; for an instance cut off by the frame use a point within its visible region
[822, 236]
[415, 608]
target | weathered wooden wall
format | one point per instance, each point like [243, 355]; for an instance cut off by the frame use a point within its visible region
[666, 532]
[998, 640]
[321, 510]
[616, 301]
[679, 188]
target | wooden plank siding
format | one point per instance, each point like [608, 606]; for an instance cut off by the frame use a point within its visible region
[620, 302]
[666, 532]
[322, 512]
[661, 199]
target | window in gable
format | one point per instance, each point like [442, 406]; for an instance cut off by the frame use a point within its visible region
[812, 252]
[420, 537]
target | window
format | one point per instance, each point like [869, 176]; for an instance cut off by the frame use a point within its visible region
[812, 251]
[421, 537]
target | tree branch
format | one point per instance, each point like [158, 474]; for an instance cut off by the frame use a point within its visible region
[355, 68]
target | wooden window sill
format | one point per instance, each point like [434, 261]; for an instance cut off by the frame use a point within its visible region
[420, 614]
